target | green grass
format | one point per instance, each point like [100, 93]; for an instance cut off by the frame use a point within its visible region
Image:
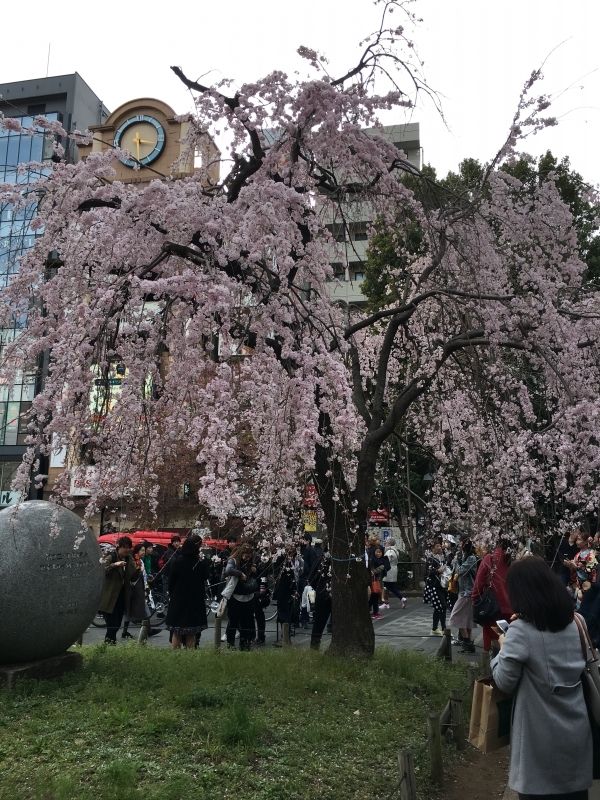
[152, 724]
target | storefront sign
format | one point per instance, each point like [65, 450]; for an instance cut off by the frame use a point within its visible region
[82, 481]
[310, 520]
[9, 498]
[379, 516]
[311, 496]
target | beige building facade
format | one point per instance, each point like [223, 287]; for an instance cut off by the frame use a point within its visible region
[157, 146]
[157, 140]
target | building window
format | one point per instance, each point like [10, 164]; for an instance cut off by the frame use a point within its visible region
[15, 404]
[8, 471]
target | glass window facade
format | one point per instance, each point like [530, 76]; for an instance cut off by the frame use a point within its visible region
[16, 237]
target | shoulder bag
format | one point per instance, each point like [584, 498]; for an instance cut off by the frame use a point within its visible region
[485, 607]
[590, 677]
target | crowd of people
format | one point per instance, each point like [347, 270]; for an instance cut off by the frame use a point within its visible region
[244, 578]
[539, 659]
[457, 573]
[298, 580]
[547, 610]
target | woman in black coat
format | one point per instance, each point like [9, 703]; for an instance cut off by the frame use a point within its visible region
[286, 586]
[186, 617]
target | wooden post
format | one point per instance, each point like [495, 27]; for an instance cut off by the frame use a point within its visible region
[144, 631]
[435, 748]
[286, 634]
[445, 718]
[217, 633]
[473, 672]
[448, 640]
[456, 719]
[445, 648]
[484, 663]
[406, 770]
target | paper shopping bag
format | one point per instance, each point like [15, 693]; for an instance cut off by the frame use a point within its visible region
[491, 712]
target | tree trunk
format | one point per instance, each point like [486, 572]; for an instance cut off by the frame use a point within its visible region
[352, 627]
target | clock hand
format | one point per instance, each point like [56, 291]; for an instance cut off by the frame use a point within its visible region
[136, 141]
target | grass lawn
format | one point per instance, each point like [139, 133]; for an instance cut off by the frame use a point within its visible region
[156, 724]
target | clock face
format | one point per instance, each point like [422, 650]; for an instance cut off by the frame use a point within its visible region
[143, 136]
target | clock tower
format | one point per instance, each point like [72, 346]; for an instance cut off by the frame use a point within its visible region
[154, 141]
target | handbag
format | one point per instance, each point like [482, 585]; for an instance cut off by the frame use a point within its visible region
[453, 584]
[486, 608]
[376, 586]
[445, 577]
[590, 677]
[491, 712]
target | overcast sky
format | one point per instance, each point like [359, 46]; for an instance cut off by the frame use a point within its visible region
[477, 54]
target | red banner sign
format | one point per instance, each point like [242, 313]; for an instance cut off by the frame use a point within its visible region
[379, 515]
[311, 497]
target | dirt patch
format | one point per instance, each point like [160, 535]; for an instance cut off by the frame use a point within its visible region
[475, 776]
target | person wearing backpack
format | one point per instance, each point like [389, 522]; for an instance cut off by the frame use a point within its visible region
[491, 574]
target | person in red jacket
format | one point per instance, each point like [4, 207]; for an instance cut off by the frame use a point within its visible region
[492, 572]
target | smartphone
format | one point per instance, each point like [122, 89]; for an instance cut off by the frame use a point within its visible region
[502, 624]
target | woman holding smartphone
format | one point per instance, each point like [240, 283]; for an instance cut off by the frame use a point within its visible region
[541, 660]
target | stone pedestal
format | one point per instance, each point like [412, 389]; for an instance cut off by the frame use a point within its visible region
[44, 669]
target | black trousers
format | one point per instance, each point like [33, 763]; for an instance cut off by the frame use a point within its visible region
[439, 618]
[240, 617]
[374, 600]
[114, 619]
[259, 616]
[321, 613]
[392, 586]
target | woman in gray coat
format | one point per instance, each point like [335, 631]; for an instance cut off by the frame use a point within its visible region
[541, 662]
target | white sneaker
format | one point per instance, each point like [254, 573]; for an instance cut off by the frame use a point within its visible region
[404, 601]
[384, 605]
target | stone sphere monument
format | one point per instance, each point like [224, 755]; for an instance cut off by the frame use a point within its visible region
[50, 580]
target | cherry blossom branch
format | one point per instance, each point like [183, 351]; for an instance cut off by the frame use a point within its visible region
[407, 310]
